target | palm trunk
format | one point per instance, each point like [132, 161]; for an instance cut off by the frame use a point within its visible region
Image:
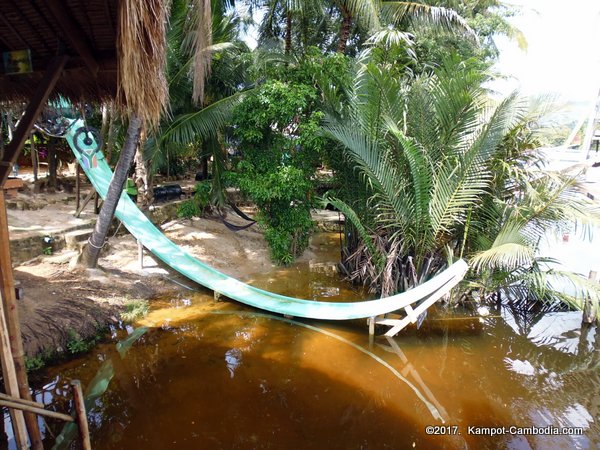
[113, 195]
[143, 175]
[344, 30]
[288, 33]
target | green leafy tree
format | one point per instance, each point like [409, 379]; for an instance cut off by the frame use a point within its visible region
[276, 126]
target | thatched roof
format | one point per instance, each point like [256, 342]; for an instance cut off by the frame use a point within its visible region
[96, 34]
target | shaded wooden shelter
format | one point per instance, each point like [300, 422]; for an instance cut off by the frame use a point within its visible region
[82, 50]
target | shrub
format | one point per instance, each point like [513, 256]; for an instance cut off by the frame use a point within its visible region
[134, 310]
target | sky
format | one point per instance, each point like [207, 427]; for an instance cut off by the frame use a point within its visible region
[563, 55]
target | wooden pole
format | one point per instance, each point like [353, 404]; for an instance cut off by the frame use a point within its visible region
[11, 385]
[140, 253]
[77, 186]
[590, 308]
[10, 316]
[13, 404]
[78, 401]
[86, 200]
[21, 401]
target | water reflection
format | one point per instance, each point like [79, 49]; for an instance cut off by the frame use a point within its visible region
[220, 375]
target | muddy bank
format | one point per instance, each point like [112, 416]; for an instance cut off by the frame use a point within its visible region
[61, 299]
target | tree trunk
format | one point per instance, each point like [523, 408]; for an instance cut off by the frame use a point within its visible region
[143, 175]
[204, 168]
[113, 195]
[288, 33]
[344, 30]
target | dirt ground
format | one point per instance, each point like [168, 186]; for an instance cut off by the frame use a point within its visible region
[61, 298]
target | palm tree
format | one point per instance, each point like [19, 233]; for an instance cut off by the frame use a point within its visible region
[144, 22]
[529, 202]
[450, 174]
[423, 153]
[375, 15]
[201, 128]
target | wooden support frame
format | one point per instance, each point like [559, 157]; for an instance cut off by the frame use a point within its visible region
[13, 358]
[34, 108]
[10, 383]
[36, 408]
[412, 314]
[82, 423]
[78, 416]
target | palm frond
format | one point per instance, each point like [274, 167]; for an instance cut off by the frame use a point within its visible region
[351, 215]
[204, 123]
[402, 12]
[509, 251]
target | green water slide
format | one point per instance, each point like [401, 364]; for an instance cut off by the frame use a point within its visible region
[95, 166]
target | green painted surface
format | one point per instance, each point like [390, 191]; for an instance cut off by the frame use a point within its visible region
[155, 241]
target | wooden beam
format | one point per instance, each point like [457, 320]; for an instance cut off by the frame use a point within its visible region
[13, 327]
[34, 108]
[74, 35]
[8, 368]
[12, 29]
[36, 410]
[21, 401]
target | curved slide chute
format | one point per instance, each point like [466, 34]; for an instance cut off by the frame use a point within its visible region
[95, 166]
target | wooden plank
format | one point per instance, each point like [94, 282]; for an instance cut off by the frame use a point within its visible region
[34, 108]
[410, 313]
[35, 410]
[21, 401]
[77, 39]
[12, 323]
[10, 383]
[86, 200]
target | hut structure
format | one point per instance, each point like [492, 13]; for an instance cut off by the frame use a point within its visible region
[84, 51]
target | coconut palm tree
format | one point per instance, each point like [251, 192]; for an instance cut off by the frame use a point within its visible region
[146, 22]
[375, 15]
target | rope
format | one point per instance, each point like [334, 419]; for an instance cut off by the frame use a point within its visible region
[95, 246]
[118, 228]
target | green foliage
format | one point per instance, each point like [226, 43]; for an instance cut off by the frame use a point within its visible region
[47, 250]
[282, 196]
[195, 206]
[277, 128]
[76, 344]
[34, 363]
[135, 310]
[488, 19]
[188, 209]
[422, 153]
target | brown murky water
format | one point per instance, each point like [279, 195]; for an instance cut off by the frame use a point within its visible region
[219, 375]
